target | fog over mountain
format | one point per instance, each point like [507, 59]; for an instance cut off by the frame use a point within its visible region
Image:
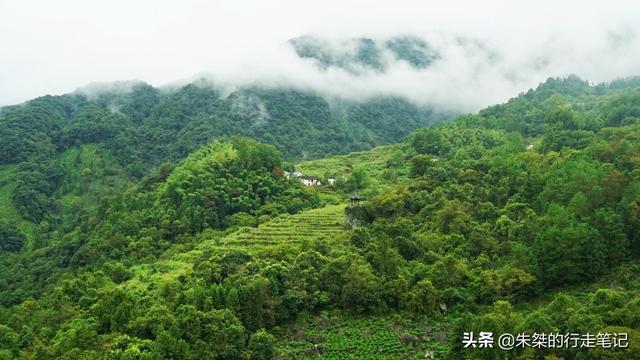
[432, 55]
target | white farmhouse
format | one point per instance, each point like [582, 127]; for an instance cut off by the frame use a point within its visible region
[310, 180]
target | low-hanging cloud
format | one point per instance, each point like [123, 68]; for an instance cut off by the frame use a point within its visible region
[486, 51]
[467, 75]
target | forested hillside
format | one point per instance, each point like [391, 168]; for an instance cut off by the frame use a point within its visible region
[133, 230]
[145, 126]
[133, 128]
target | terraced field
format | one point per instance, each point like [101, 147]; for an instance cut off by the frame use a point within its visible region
[326, 222]
[286, 233]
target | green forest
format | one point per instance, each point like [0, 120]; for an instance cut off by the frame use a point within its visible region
[154, 223]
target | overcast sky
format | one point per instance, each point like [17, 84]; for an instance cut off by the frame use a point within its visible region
[54, 47]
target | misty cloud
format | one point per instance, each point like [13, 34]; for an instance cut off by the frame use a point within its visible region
[249, 107]
[474, 53]
[92, 90]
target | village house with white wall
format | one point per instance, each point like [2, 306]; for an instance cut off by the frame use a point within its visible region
[309, 180]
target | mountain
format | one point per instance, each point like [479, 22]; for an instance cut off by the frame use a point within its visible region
[136, 127]
[355, 55]
[190, 116]
[124, 238]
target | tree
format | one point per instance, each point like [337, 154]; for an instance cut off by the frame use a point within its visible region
[506, 283]
[8, 341]
[358, 180]
[360, 290]
[630, 352]
[567, 251]
[609, 224]
[114, 309]
[155, 319]
[388, 204]
[430, 141]
[423, 298]
[256, 303]
[262, 346]
[81, 334]
[214, 334]
[129, 348]
[11, 239]
[169, 347]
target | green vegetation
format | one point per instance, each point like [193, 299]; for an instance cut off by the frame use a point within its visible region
[382, 167]
[325, 223]
[337, 335]
[130, 234]
[135, 128]
[283, 234]
[7, 185]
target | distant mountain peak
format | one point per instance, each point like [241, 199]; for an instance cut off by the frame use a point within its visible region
[365, 54]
